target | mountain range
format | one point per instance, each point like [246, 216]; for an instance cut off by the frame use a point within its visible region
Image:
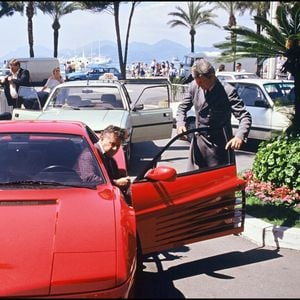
[137, 52]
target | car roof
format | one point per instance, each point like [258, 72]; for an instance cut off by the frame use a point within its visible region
[41, 126]
[90, 83]
[258, 81]
[233, 73]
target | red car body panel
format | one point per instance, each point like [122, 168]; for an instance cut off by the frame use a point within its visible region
[66, 241]
[187, 209]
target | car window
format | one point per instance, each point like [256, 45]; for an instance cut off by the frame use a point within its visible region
[250, 94]
[224, 77]
[280, 92]
[86, 98]
[149, 95]
[44, 158]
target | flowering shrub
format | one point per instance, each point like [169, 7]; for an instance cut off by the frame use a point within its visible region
[268, 193]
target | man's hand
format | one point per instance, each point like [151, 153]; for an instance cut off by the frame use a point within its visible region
[235, 144]
[180, 130]
[122, 182]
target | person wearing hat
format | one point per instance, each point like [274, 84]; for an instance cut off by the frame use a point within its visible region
[214, 102]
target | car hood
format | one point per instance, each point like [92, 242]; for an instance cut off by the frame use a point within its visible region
[95, 119]
[53, 237]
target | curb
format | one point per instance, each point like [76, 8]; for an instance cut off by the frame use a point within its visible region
[266, 234]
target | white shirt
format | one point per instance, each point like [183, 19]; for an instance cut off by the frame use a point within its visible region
[12, 86]
[52, 83]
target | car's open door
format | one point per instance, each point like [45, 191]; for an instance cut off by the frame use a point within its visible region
[151, 115]
[31, 106]
[174, 208]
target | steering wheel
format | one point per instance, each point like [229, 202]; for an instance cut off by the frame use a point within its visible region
[57, 168]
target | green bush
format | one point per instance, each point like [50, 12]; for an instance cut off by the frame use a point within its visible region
[278, 161]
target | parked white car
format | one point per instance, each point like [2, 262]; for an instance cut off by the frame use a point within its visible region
[269, 101]
[143, 109]
[224, 75]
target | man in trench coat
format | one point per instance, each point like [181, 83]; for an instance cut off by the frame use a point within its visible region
[214, 102]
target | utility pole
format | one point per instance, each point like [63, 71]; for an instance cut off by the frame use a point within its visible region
[272, 62]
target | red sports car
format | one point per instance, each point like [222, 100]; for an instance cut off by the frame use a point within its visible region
[66, 231]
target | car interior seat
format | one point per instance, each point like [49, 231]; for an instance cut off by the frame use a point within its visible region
[111, 99]
[74, 100]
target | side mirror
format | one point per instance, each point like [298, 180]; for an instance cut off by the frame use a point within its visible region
[260, 103]
[138, 107]
[162, 173]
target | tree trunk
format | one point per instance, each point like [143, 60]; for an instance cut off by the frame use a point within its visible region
[127, 36]
[29, 13]
[56, 27]
[119, 44]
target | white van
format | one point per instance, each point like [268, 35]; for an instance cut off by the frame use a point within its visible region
[40, 68]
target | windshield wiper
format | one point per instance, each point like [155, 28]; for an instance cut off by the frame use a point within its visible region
[41, 182]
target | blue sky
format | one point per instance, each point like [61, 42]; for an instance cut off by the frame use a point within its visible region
[80, 28]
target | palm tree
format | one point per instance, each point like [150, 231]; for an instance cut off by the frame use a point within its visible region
[270, 44]
[56, 10]
[114, 9]
[29, 7]
[260, 9]
[6, 9]
[192, 18]
[231, 7]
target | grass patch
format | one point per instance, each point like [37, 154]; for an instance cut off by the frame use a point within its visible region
[272, 213]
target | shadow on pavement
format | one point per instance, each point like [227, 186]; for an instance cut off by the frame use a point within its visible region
[160, 284]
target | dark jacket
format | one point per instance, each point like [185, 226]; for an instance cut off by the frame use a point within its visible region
[214, 111]
[23, 79]
[213, 115]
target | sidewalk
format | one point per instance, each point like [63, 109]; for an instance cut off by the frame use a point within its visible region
[266, 234]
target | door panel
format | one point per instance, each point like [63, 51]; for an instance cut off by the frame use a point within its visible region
[151, 124]
[193, 207]
[25, 114]
[153, 119]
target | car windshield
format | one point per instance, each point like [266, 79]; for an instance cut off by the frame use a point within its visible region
[47, 160]
[282, 93]
[86, 98]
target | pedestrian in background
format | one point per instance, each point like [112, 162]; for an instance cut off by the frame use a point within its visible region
[17, 77]
[221, 68]
[238, 67]
[54, 80]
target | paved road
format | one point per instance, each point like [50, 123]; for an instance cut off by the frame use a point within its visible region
[227, 267]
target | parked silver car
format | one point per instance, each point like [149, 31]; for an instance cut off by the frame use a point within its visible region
[269, 101]
[142, 108]
[224, 75]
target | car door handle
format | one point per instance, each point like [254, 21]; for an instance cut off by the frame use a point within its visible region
[166, 114]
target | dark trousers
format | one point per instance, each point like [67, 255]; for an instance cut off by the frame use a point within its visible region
[208, 150]
[15, 103]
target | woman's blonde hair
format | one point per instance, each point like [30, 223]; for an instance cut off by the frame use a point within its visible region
[55, 69]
